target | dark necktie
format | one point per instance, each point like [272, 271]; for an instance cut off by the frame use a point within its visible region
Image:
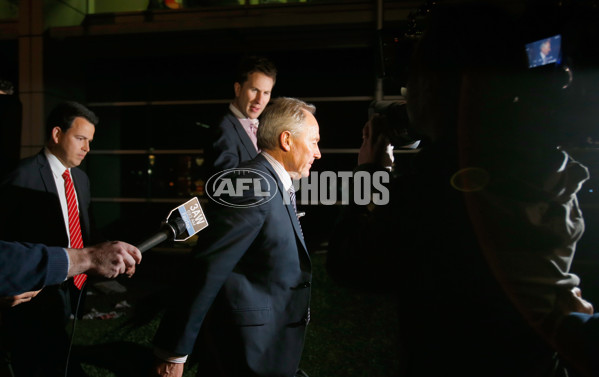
[291, 192]
[74, 225]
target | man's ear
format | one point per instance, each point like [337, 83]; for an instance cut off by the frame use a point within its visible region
[237, 89]
[55, 134]
[285, 141]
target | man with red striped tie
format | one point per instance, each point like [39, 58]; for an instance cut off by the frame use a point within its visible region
[46, 200]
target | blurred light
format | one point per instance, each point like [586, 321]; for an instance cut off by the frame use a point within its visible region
[174, 4]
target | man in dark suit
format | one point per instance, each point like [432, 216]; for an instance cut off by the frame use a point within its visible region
[251, 266]
[34, 208]
[234, 140]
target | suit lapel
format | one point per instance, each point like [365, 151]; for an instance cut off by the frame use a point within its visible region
[50, 186]
[82, 199]
[285, 199]
[46, 174]
[294, 218]
[243, 136]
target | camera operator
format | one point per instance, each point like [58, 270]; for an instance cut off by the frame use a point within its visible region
[368, 225]
[479, 233]
[387, 128]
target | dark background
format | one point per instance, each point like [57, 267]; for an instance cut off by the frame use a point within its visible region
[157, 89]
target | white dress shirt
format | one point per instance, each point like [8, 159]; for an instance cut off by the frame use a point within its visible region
[57, 170]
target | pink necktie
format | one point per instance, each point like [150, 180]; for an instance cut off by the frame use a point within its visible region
[253, 130]
[254, 125]
[74, 225]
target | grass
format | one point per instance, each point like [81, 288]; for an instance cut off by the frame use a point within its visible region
[351, 333]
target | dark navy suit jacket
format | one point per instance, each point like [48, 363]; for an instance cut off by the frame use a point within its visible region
[29, 205]
[27, 267]
[30, 212]
[252, 268]
[230, 145]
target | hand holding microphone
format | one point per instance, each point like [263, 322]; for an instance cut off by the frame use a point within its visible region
[113, 258]
[107, 259]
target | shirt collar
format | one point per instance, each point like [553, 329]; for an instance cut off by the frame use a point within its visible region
[280, 170]
[57, 167]
[239, 115]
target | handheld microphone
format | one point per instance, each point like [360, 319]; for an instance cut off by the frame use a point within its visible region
[181, 223]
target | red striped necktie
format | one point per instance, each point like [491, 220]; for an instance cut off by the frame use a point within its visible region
[74, 225]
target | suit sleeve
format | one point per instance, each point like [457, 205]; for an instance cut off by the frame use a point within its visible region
[27, 267]
[230, 234]
[229, 146]
[224, 149]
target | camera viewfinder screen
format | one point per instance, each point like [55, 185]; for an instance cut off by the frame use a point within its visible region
[544, 51]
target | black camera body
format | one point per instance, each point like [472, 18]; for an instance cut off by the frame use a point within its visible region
[398, 123]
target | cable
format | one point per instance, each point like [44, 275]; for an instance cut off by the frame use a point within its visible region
[66, 367]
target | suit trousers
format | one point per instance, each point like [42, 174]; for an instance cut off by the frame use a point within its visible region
[35, 333]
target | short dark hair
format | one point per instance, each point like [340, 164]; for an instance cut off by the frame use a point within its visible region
[7, 87]
[65, 113]
[251, 64]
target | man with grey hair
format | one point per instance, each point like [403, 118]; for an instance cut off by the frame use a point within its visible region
[251, 268]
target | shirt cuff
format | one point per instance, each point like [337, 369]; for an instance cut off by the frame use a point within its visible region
[167, 356]
[66, 254]
[58, 265]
